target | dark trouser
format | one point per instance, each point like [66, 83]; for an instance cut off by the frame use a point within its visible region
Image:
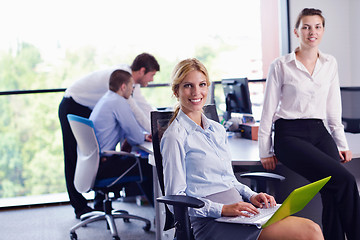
[306, 147]
[67, 106]
[115, 166]
[209, 229]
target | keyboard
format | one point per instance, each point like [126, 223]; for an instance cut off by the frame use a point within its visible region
[263, 212]
[258, 219]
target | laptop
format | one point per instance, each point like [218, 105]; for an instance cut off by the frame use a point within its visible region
[295, 202]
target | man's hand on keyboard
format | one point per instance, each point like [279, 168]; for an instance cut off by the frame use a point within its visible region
[263, 200]
[239, 209]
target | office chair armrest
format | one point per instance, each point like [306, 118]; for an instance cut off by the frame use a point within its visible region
[181, 201]
[259, 180]
[180, 219]
[263, 176]
[109, 153]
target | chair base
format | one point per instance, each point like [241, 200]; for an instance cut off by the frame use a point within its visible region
[110, 219]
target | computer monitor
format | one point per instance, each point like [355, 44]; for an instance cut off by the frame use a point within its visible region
[237, 96]
[350, 97]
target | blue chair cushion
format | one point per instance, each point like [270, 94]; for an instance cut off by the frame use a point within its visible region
[102, 183]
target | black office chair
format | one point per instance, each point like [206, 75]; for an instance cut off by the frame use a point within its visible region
[180, 219]
[87, 164]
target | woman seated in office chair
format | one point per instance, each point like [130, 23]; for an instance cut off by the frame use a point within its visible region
[197, 163]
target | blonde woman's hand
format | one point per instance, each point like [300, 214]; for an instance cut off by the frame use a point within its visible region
[269, 163]
[239, 209]
[263, 200]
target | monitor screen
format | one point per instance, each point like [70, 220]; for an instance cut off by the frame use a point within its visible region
[237, 96]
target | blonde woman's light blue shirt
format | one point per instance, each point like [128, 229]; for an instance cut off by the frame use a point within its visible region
[197, 163]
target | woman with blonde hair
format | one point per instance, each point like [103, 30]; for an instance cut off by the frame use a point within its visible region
[197, 163]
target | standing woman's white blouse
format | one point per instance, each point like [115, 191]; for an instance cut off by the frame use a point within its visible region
[292, 93]
[197, 163]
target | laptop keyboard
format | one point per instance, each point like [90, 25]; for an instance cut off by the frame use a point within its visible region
[263, 212]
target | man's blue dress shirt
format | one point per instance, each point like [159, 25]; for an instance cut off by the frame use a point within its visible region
[114, 121]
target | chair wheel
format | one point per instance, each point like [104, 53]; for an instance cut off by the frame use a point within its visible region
[116, 238]
[122, 211]
[73, 236]
[127, 220]
[147, 227]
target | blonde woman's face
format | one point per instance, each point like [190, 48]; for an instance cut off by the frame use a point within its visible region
[192, 92]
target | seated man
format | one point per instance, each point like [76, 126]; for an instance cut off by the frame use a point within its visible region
[114, 122]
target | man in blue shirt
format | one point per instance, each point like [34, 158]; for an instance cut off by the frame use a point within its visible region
[80, 99]
[114, 122]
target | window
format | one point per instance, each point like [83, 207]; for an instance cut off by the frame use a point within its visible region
[49, 44]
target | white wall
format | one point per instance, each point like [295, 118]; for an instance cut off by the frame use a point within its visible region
[354, 31]
[342, 34]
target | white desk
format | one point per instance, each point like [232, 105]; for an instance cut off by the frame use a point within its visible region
[246, 152]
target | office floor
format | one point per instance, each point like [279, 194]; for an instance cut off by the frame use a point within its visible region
[54, 222]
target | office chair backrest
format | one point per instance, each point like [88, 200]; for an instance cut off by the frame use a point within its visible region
[88, 152]
[210, 112]
[159, 123]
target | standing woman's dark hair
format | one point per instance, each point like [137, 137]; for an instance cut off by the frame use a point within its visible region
[309, 12]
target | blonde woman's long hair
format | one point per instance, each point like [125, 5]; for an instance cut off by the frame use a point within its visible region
[181, 70]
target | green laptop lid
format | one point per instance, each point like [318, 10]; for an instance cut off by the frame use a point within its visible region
[297, 200]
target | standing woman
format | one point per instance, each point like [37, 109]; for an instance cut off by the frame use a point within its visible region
[197, 163]
[302, 92]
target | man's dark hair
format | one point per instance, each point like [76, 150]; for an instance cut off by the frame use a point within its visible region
[117, 78]
[147, 61]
